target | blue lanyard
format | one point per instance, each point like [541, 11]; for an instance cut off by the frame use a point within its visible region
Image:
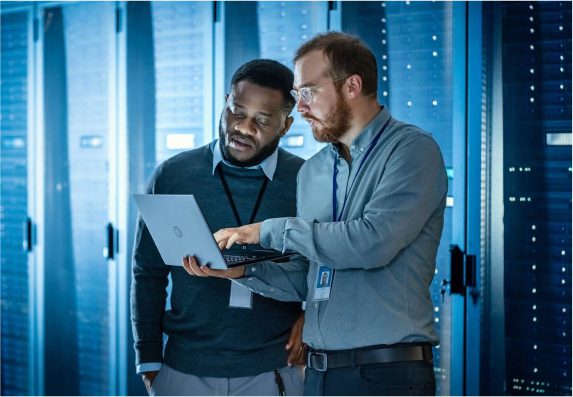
[335, 216]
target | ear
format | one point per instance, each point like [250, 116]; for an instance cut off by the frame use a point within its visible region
[354, 84]
[288, 123]
[226, 97]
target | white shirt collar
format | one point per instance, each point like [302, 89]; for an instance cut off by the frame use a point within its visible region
[268, 165]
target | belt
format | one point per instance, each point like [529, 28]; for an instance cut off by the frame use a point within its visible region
[323, 360]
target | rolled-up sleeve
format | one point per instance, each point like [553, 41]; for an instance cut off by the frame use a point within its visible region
[281, 281]
[272, 233]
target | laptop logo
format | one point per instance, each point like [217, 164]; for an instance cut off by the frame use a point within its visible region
[177, 231]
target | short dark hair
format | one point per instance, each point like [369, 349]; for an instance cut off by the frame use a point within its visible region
[268, 73]
[347, 55]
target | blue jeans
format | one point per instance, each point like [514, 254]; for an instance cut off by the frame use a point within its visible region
[396, 379]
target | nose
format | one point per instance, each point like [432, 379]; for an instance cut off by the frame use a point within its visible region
[246, 127]
[302, 106]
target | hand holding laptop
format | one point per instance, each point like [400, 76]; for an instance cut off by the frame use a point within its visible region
[225, 238]
[247, 234]
[193, 268]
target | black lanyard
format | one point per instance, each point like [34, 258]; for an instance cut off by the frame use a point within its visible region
[335, 216]
[232, 202]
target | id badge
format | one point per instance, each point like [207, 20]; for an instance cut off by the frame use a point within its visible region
[241, 297]
[323, 283]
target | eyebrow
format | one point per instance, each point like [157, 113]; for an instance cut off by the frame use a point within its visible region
[258, 113]
[307, 84]
[312, 83]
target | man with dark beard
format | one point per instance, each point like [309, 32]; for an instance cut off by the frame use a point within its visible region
[222, 340]
[370, 212]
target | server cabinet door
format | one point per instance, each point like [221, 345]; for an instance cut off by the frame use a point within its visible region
[182, 59]
[79, 87]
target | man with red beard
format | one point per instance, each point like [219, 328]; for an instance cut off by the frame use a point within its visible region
[370, 213]
[222, 340]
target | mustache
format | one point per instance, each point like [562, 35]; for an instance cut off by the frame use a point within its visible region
[239, 137]
[308, 116]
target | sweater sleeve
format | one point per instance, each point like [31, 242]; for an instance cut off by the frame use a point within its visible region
[148, 293]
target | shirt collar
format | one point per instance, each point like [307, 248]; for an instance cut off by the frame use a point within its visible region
[361, 142]
[268, 165]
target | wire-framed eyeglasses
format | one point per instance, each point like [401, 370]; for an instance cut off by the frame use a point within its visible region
[306, 93]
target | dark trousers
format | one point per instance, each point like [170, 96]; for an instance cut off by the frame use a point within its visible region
[410, 378]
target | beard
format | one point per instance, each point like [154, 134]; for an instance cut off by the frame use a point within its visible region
[334, 125]
[261, 153]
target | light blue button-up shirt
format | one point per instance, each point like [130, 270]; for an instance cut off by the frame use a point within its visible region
[383, 250]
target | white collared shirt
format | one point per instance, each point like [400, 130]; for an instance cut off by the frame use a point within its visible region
[268, 165]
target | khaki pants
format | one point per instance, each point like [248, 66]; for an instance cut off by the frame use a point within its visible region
[170, 382]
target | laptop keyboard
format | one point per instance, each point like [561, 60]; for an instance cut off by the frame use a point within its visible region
[229, 259]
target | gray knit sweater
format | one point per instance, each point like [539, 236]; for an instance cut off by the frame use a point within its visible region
[205, 336]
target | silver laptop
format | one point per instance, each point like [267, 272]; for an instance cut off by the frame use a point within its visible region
[178, 228]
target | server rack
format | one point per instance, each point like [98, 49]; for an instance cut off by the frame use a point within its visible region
[536, 63]
[16, 225]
